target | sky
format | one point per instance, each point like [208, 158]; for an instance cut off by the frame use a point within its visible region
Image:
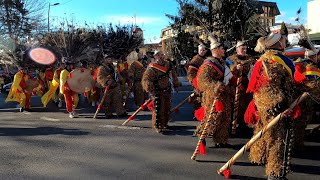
[149, 15]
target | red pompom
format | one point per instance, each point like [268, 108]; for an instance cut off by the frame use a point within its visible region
[296, 112]
[298, 74]
[176, 110]
[257, 78]
[251, 116]
[99, 106]
[150, 105]
[227, 173]
[202, 147]
[33, 93]
[219, 106]
[199, 113]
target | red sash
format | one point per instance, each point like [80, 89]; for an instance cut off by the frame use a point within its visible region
[158, 67]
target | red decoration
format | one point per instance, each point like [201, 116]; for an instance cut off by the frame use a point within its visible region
[227, 173]
[199, 113]
[298, 75]
[219, 106]
[131, 118]
[251, 116]
[296, 112]
[195, 83]
[150, 105]
[99, 106]
[257, 79]
[202, 148]
[143, 107]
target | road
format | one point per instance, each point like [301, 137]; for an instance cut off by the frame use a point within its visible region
[47, 144]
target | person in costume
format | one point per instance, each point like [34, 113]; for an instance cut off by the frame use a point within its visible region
[71, 98]
[94, 94]
[18, 91]
[122, 71]
[272, 84]
[211, 80]
[156, 82]
[107, 77]
[307, 75]
[192, 69]
[241, 65]
[52, 93]
[135, 74]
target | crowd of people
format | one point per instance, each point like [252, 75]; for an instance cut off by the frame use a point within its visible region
[238, 92]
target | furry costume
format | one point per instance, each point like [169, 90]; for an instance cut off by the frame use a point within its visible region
[307, 75]
[209, 77]
[135, 72]
[156, 81]
[193, 67]
[105, 75]
[245, 98]
[272, 86]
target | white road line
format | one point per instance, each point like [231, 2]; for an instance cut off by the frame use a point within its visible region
[119, 127]
[49, 119]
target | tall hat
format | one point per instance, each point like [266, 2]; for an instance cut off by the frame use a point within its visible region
[201, 46]
[213, 42]
[241, 43]
[266, 42]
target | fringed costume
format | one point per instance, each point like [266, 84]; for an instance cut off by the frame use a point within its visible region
[244, 75]
[307, 75]
[106, 77]
[272, 86]
[135, 73]
[209, 81]
[192, 70]
[156, 81]
[71, 98]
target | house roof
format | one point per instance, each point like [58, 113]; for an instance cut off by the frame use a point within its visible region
[260, 4]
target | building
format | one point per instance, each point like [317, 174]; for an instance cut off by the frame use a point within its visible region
[313, 14]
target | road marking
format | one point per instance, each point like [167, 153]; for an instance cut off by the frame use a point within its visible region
[119, 127]
[49, 119]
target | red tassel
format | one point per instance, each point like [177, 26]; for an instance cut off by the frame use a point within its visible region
[131, 118]
[202, 147]
[199, 113]
[227, 173]
[33, 93]
[176, 110]
[251, 116]
[298, 75]
[296, 112]
[143, 107]
[150, 105]
[219, 106]
[195, 83]
[99, 106]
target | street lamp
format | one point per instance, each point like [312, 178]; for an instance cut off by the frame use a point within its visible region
[55, 4]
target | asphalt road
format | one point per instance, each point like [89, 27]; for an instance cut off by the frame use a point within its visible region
[47, 144]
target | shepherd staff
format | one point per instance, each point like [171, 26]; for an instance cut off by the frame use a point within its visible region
[142, 107]
[247, 146]
[176, 109]
[101, 102]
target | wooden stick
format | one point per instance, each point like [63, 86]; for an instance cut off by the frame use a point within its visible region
[204, 131]
[182, 103]
[101, 102]
[236, 105]
[257, 136]
[142, 107]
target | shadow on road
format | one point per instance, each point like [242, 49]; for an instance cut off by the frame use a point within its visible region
[179, 130]
[40, 131]
[306, 169]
